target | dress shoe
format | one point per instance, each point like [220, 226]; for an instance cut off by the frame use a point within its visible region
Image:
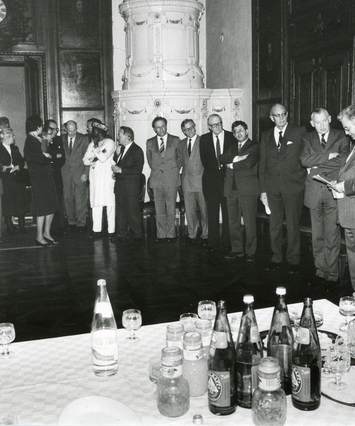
[250, 259]
[51, 241]
[38, 243]
[191, 241]
[233, 255]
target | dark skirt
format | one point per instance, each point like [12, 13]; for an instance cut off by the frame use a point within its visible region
[14, 196]
[44, 193]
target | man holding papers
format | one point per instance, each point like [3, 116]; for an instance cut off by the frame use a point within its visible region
[324, 152]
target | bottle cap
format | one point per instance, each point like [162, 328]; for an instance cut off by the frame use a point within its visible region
[171, 356]
[269, 365]
[280, 291]
[197, 419]
[248, 298]
[192, 340]
[101, 282]
[203, 324]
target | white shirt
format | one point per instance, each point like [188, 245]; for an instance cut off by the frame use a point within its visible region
[126, 149]
[8, 149]
[221, 142]
[72, 139]
[326, 135]
[193, 140]
[277, 133]
[165, 140]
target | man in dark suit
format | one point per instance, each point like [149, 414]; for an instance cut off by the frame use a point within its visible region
[191, 181]
[163, 157]
[324, 153]
[241, 189]
[75, 177]
[212, 145]
[344, 191]
[282, 184]
[129, 161]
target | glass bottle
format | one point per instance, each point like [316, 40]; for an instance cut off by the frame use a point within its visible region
[221, 366]
[194, 366]
[249, 352]
[269, 405]
[174, 335]
[280, 339]
[306, 362]
[173, 393]
[204, 327]
[104, 343]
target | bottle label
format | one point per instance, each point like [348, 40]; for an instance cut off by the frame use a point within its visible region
[271, 384]
[254, 334]
[219, 340]
[193, 355]
[104, 345]
[219, 388]
[171, 372]
[247, 378]
[302, 336]
[301, 383]
[284, 354]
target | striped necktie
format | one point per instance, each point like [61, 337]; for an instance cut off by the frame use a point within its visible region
[161, 146]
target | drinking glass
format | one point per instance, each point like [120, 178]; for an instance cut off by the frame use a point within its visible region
[351, 337]
[132, 321]
[7, 335]
[347, 309]
[338, 362]
[207, 309]
[188, 320]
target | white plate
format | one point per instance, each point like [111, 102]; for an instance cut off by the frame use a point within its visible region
[97, 411]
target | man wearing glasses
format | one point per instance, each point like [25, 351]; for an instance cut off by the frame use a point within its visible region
[282, 180]
[212, 146]
[191, 180]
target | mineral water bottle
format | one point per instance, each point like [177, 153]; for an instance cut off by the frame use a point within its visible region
[280, 339]
[104, 345]
[221, 366]
[306, 362]
[249, 352]
[173, 393]
[195, 363]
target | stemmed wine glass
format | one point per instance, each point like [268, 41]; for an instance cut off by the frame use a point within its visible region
[207, 310]
[347, 309]
[7, 335]
[132, 321]
[338, 362]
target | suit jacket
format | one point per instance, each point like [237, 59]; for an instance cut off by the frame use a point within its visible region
[282, 171]
[132, 166]
[346, 205]
[5, 160]
[244, 176]
[74, 166]
[164, 167]
[314, 155]
[192, 168]
[213, 177]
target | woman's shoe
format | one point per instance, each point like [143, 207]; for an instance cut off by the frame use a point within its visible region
[51, 241]
[38, 243]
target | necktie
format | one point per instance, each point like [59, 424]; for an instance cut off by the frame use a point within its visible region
[161, 147]
[218, 151]
[323, 142]
[279, 141]
[70, 146]
[240, 146]
[121, 153]
[189, 147]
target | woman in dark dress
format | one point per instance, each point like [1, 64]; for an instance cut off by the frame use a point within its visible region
[44, 196]
[11, 170]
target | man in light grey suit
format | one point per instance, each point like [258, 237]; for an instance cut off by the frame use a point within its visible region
[75, 177]
[192, 172]
[164, 159]
[344, 191]
[324, 153]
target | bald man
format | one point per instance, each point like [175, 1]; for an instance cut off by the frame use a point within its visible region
[324, 153]
[282, 185]
[75, 177]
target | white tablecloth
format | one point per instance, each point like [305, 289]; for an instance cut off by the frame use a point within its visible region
[43, 376]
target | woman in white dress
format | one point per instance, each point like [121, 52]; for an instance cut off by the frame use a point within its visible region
[99, 156]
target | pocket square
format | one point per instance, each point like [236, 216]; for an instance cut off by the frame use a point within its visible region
[289, 143]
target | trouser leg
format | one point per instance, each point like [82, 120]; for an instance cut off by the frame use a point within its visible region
[235, 228]
[97, 218]
[331, 241]
[318, 239]
[248, 208]
[191, 213]
[293, 209]
[170, 200]
[111, 218]
[276, 220]
[203, 215]
[350, 250]
[81, 203]
[160, 212]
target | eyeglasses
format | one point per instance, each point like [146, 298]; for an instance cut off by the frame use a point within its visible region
[215, 124]
[281, 115]
[186, 129]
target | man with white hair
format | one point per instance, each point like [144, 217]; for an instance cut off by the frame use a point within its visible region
[324, 153]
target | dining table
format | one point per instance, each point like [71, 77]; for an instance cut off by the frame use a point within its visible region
[41, 377]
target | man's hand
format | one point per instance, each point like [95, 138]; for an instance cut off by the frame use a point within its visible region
[46, 154]
[238, 158]
[83, 178]
[338, 187]
[263, 197]
[116, 169]
[333, 155]
[14, 169]
[59, 155]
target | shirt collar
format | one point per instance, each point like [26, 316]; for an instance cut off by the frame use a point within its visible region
[220, 136]
[326, 136]
[277, 130]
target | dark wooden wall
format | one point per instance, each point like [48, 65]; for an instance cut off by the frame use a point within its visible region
[66, 49]
[303, 57]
